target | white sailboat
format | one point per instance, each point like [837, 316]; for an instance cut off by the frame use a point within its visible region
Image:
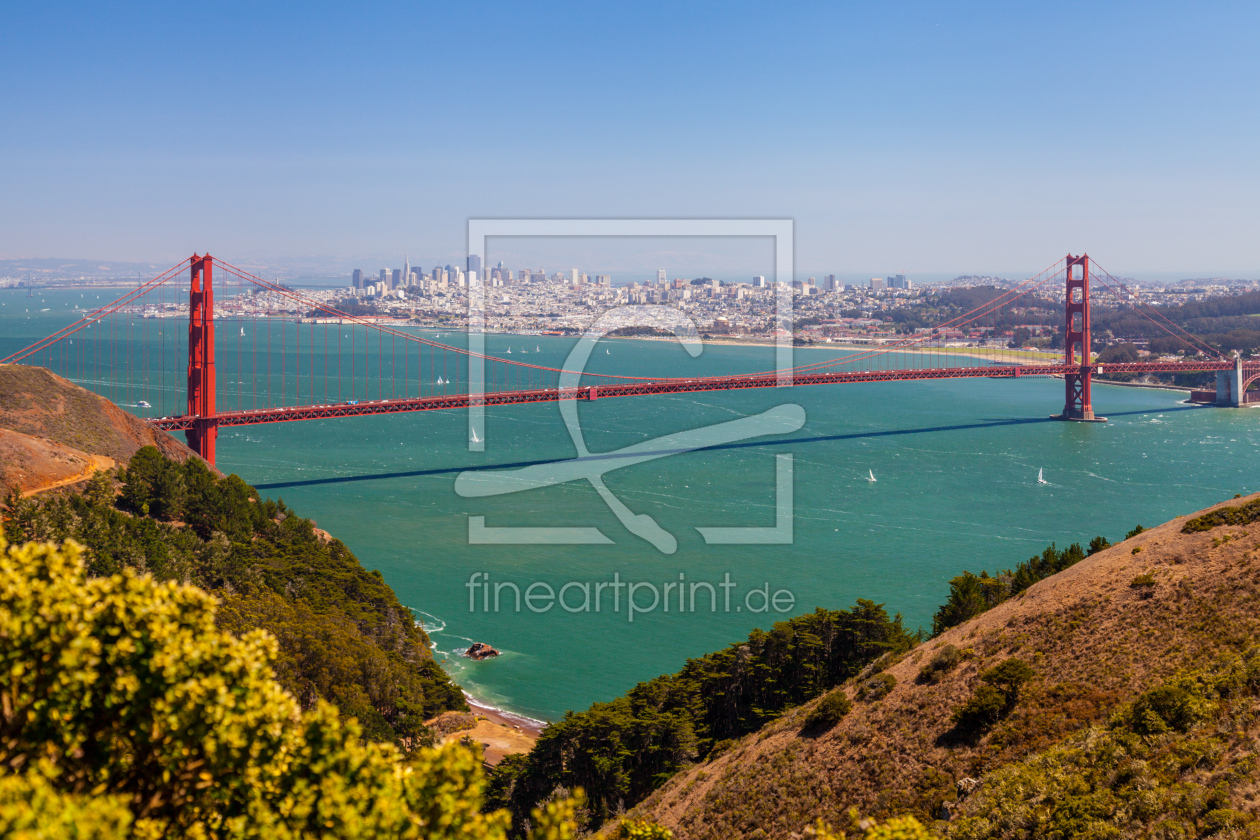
[870, 475]
[537, 349]
[242, 332]
[475, 439]
[1041, 479]
[509, 352]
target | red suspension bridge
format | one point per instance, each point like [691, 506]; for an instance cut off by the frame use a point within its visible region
[307, 359]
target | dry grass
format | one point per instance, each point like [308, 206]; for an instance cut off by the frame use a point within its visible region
[36, 402]
[1093, 639]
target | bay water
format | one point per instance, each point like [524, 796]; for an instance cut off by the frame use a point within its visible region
[955, 463]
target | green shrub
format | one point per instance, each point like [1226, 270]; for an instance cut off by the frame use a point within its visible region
[943, 661]
[829, 711]
[641, 830]
[986, 707]
[994, 698]
[876, 688]
[132, 714]
[1169, 707]
[1137, 530]
[1097, 544]
[1235, 515]
[1224, 819]
[1009, 676]
[1143, 582]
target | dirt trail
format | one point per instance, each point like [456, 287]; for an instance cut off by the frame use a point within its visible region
[95, 465]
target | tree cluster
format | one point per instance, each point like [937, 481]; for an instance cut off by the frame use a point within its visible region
[619, 752]
[342, 635]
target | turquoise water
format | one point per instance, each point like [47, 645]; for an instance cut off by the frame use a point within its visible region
[956, 463]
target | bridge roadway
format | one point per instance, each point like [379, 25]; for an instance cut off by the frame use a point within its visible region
[365, 408]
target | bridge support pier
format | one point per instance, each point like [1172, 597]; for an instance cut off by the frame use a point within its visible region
[1229, 386]
[1077, 405]
[201, 379]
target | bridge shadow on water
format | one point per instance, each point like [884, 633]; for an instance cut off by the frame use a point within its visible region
[753, 444]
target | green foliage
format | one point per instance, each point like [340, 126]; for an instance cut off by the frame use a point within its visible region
[896, 828]
[1143, 581]
[619, 752]
[1163, 768]
[1097, 544]
[32, 807]
[1008, 676]
[641, 830]
[343, 637]
[994, 698]
[944, 660]
[829, 711]
[1136, 530]
[970, 595]
[128, 713]
[876, 688]
[1233, 515]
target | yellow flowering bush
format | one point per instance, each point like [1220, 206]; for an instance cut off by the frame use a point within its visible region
[124, 711]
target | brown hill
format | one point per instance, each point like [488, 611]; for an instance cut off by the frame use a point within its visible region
[1097, 635]
[53, 429]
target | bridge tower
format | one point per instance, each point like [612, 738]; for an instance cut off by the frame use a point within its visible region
[1077, 405]
[201, 381]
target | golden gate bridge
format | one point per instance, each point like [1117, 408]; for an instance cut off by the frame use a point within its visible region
[123, 351]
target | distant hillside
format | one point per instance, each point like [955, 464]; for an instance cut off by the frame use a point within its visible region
[1137, 718]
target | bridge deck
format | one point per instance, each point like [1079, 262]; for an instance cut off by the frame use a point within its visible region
[674, 386]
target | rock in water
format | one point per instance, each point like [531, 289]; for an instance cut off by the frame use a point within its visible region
[480, 650]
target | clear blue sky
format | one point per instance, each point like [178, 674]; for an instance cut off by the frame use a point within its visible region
[947, 137]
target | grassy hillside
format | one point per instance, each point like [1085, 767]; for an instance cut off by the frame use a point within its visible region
[35, 401]
[1116, 698]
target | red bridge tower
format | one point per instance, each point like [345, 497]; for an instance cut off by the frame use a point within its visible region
[201, 384]
[1077, 406]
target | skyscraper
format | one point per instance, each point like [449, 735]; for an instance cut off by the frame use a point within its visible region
[474, 263]
[660, 275]
[406, 272]
[759, 281]
[358, 278]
